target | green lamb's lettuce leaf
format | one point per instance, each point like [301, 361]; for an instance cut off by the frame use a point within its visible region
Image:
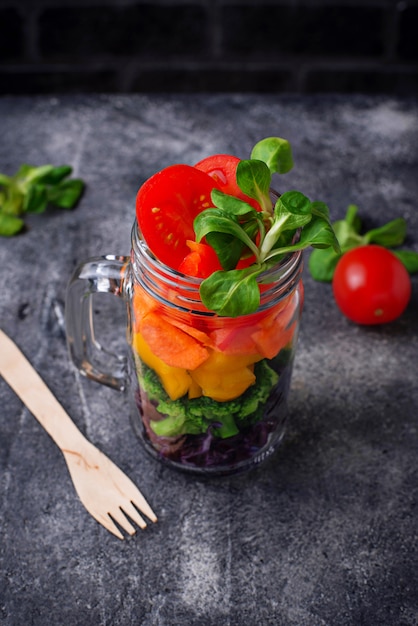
[218, 221]
[35, 200]
[276, 153]
[254, 180]
[10, 225]
[66, 193]
[389, 235]
[409, 259]
[232, 293]
[230, 204]
[230, 249]
[322, 263]
[321, 210]
[32, 189]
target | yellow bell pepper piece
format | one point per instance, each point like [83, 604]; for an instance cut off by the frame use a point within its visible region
[195, 390]
[225, 377]
[175, 380]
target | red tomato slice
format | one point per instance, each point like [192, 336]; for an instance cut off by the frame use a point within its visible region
[223, 169]
[201, 261]
[166, 206]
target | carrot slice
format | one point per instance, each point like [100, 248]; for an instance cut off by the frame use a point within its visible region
[170, 344]
[142, 303]
[201, 336]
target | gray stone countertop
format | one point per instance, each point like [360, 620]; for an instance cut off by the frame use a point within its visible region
[326, 533]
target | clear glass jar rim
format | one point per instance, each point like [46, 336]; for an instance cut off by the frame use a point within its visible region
[155, 277]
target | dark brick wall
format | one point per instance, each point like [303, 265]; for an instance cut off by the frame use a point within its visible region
[299, 46]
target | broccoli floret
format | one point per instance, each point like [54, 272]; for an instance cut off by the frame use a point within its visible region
[184, 416]
[175, 425]
[194, 416]
[253, 400]
[149, 381]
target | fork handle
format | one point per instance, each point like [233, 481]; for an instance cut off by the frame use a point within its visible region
[32, 390]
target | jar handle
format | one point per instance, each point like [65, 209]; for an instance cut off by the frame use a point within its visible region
[105, 274]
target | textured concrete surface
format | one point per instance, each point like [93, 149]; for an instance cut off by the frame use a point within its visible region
[326, 534]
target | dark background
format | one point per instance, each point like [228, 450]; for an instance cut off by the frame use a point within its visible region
[316, 46]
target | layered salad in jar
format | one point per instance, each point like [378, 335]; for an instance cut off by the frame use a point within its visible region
[216, 304]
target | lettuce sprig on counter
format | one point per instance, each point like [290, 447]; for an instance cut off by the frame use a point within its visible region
[392, 235]
[31, 190]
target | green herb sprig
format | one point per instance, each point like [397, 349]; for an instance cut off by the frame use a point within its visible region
[236, 230]
[322, 263]
[31, 190]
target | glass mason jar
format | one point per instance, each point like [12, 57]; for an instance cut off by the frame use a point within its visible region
[208, 393]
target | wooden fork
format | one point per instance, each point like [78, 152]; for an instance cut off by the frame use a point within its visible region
[106, 492]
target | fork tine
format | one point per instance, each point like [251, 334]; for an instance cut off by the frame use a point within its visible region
[108, 523]
[111, 527]
[118, 516]
[130, 510]
[136, 497]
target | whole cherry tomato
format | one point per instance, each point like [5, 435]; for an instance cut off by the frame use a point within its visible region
[371, 285]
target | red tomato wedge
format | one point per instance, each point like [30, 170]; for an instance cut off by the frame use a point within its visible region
[166, 205]
[223, 169]
[201, 261]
